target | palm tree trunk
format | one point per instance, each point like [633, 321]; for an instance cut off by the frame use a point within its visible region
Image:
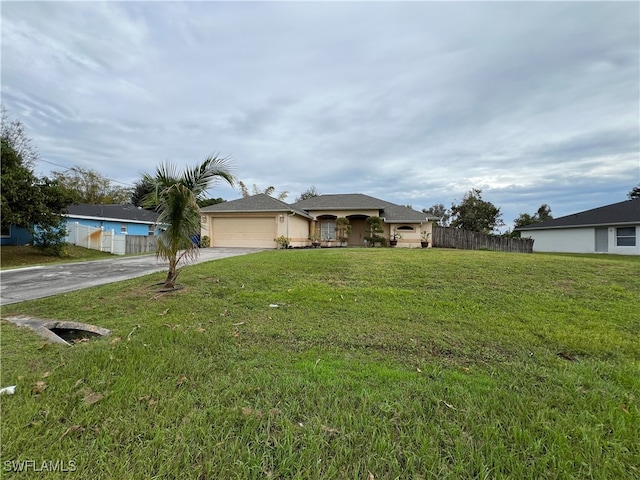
[172, 274]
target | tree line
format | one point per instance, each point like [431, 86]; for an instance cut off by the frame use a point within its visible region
[477, 215]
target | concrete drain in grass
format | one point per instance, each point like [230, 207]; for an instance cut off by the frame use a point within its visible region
[58, 331]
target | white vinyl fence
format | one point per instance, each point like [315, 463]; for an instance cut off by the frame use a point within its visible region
[96, 238]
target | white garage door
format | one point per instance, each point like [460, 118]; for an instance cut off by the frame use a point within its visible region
[255, 232]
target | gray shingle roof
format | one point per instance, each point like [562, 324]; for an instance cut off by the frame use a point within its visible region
[627, 212]
[126, 212]
[390, 212]
[254, 203]
[345, 201]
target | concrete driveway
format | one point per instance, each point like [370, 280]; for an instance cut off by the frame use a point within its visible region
[29, 283]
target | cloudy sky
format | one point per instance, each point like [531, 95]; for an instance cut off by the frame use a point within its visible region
[412, 102]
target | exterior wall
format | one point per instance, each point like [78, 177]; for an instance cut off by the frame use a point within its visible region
[410, 239]
[205, 222]
[623, 250]
[17, 236]
[578, 240]
[294, 227]
[571, 240]
[132, 228]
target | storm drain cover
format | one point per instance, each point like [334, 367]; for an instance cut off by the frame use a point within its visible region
[59, 331]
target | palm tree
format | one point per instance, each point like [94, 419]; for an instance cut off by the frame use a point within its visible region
[256, 191]
[175, 197]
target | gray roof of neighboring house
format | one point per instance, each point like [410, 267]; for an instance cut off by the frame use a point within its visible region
[627, 212]
[254, 203]
[125, 212]
[391, 212]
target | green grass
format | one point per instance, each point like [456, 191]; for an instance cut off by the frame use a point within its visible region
[26, 256]
[376, 363]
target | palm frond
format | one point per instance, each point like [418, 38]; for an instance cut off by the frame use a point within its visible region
[204, 176]
[243, 189]
[269, 190]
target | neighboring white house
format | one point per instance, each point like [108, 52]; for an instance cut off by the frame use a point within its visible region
[613, 228]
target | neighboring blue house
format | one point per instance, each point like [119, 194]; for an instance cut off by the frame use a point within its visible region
[12, 235]
[122, 219]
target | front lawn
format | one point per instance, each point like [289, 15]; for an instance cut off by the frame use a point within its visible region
[341, 363]
[27, 255]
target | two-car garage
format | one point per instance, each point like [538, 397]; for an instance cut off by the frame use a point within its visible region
[251, 232]
[254, 222]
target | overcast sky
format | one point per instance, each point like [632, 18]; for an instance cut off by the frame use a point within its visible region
[414, 103]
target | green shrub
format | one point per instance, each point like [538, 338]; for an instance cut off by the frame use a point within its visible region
[51, 239]
[282, 241]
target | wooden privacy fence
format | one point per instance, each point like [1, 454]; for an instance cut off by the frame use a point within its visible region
[445, 237]
[140, 244]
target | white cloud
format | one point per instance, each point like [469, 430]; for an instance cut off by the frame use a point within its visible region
[412, 102]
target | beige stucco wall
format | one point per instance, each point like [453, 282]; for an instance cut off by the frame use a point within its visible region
[410, 239]
[294, 227]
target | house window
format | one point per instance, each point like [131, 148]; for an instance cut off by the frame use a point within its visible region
[152, 230]
[626, 236]
[6, 230]
[123, 228]
[406, 228]
[328, 230]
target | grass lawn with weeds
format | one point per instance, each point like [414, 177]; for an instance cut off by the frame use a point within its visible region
[26, 256]
[339, 363]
